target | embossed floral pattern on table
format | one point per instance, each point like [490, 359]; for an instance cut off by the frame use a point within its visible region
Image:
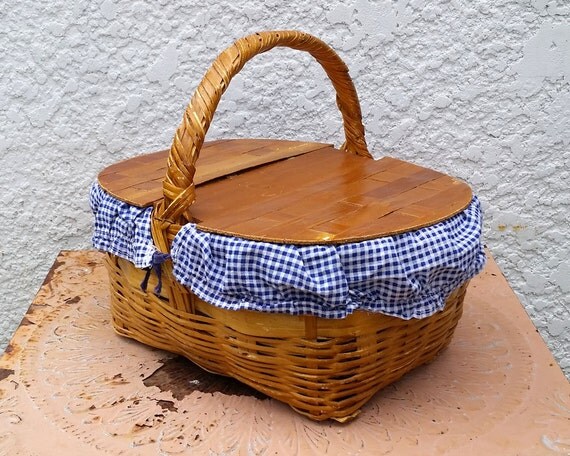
[121, 397]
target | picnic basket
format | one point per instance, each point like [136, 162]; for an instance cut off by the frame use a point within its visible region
[280, 193]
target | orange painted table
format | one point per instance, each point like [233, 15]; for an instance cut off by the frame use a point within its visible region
[70, 386]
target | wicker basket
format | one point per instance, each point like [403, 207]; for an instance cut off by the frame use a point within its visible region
[323, 368]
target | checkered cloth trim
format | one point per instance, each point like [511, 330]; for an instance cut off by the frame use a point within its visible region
[121, 229]
[408, 275]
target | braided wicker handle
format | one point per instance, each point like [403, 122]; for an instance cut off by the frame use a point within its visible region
[178, 186]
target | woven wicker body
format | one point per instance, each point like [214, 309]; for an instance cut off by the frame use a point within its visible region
[323, 368]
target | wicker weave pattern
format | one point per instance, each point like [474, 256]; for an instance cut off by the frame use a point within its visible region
[178, 187]
[322, 368]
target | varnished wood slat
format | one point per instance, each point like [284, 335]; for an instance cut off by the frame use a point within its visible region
[249, 158]
[320, 195]
[298, 200]
[151, 190]
[449, 199]
[404, 184]
[333, 176]
[125, 179]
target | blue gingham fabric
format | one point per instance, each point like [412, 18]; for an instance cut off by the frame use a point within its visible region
[408, 275]
[121, 229]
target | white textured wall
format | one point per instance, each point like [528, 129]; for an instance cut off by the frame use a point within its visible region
[476, 88]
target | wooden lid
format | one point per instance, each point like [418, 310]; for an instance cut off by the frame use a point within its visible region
[309, 193]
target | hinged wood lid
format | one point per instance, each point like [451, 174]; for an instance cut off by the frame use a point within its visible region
[304, 193]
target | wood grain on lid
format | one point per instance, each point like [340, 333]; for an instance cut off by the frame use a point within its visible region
[313, 193]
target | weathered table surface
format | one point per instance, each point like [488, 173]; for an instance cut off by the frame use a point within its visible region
[69, 385]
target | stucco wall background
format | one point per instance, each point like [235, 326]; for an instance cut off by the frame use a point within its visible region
[479, 89]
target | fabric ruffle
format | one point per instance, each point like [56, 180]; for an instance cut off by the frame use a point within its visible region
[408, 275]
[121, 229]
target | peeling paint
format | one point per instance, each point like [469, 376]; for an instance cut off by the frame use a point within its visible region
[5, 373]
[181, 378]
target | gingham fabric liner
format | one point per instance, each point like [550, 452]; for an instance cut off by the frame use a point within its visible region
[121, 229]
[408, 275]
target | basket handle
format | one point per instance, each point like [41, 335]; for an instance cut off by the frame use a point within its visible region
[178, 186]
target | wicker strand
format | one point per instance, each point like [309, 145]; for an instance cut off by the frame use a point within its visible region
[178, 187]
[330, 376]
[322, 368]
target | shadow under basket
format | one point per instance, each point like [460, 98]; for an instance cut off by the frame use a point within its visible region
[323, 368]
[288, 193]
